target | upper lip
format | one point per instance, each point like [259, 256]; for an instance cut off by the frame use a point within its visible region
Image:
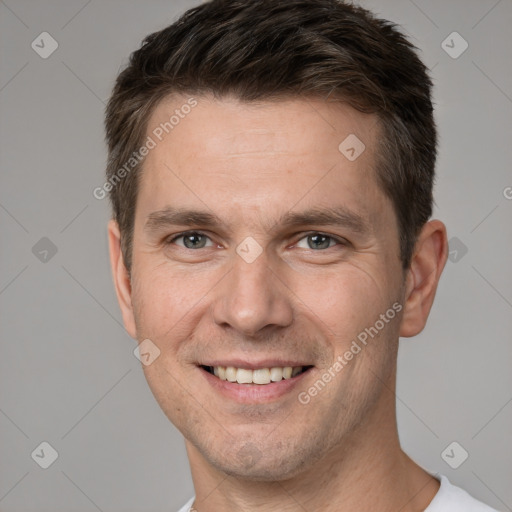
[255, 365]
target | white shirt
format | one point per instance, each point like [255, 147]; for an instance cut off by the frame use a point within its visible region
[449, 498]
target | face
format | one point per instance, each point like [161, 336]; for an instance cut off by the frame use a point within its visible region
[259, 246]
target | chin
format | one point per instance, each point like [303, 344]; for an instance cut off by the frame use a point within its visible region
[262, 471]
[263, 462]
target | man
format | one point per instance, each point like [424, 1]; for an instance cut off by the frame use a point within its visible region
[271, 167]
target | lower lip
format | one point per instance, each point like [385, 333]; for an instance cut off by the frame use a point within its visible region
[253, 393]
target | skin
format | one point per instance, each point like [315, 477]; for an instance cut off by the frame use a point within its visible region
[250, 164]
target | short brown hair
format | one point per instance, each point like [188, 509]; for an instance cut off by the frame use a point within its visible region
[276, 49]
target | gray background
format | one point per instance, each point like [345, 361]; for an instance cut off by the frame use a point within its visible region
[68, 373]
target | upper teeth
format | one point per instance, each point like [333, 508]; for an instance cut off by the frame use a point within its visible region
[259, 376]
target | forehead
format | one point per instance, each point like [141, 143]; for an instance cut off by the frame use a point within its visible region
[248, 156]
[234, 128]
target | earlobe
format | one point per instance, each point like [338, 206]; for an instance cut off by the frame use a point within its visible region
[121, 278]
[428, 261]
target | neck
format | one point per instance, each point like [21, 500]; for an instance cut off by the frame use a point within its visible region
[369, 472]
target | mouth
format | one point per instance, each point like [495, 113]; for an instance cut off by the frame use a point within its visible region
[257, 376]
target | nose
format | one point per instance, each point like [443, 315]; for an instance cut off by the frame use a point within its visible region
[251, 298]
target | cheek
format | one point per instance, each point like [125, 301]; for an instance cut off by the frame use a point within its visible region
[342, 302]
[164, 301]
[172, 395]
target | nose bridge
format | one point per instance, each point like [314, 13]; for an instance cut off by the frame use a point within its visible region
[252, 297]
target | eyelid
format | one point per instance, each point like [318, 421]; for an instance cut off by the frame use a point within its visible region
[339, 240]
[303, 234]
[172, 238]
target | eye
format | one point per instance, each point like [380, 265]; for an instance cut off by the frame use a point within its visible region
[191, 240]
[317, 241]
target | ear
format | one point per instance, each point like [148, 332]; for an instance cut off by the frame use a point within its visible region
[427, 263]
[121, 277]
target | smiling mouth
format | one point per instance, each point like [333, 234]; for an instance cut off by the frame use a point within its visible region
[260, 376]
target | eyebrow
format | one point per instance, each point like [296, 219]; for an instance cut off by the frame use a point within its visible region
[170, 216]
[336, 216]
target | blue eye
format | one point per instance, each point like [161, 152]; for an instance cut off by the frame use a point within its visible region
[317, 241]
[197, 240]
[192, 240]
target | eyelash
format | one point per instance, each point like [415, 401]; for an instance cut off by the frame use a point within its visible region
[339, 241]
[173, 238]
